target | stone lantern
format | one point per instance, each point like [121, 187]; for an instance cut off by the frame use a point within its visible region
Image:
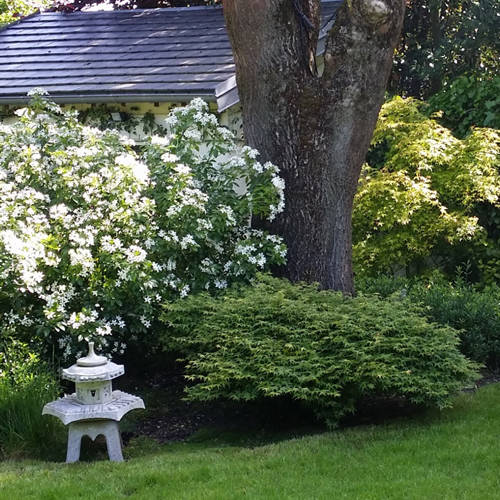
[94, 408]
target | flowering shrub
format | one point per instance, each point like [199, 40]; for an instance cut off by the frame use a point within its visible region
[94, 236]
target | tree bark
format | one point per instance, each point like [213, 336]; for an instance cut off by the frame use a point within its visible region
[315, 127]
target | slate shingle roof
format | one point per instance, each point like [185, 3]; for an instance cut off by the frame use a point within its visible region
[127, 55]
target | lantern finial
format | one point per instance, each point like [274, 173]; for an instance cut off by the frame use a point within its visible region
[92, 359]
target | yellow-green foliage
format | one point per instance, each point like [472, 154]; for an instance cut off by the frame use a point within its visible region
[13, 10]
[277, 339]
[419, 196]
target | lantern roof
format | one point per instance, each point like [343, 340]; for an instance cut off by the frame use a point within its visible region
[92, 368]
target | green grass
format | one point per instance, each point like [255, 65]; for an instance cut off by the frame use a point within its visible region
[454, 454]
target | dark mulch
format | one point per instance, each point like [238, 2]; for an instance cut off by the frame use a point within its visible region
[488, 378]
[169, 417]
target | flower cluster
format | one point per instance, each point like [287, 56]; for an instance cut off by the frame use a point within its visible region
[95, 237]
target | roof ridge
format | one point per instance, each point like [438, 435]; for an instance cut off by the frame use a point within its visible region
[129, 11]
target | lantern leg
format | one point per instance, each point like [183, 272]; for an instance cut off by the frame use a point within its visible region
[114, 442]
[74, 442]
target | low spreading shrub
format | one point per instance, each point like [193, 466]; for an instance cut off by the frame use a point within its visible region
[474, 312]
[25, 386]
[277, 339]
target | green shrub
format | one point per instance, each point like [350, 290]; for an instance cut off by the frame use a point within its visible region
[383, 285]
[276, 339]
[469, 101]
[25, 386]
[13, 10]
[475, 312]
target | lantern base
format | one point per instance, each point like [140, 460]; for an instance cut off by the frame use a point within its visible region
[93, 428]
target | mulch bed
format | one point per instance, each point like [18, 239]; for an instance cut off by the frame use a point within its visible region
[169, 418]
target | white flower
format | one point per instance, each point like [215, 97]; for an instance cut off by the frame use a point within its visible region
[146, 322]
[258, 167]
[229, 214]
[193, 134]
[141, 172]
[225, 133]
[58, 211]
[182, 169]
[251, 153]
[220, 284]
[126, 140]
[169, 158]
[261, 260]
[198, 104]
[103, 330]
[156, 267]
[160, 141]
[37, 91]
[104, 6]
[187, 241]
[135, 254]
[171, 121]
[82, 257]
[278, 183]
[110, 244]
[12, 243]
[139, 169]
[123, 274]
[31, 278]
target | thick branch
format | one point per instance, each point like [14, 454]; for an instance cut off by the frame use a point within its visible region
[254, 30]
[358, 60]
[272, 50]
[363, 26]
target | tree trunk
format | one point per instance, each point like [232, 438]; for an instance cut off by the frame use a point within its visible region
[315, 127]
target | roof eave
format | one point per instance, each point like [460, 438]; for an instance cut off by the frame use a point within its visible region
[111, 98]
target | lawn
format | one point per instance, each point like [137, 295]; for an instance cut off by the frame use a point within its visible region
[443, 455]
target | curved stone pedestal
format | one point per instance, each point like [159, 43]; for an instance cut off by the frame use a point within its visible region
[93, 428]
[93, 420]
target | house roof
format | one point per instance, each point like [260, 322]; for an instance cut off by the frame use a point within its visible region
[124, 55]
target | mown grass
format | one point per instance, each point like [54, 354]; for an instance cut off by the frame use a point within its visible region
[454, 454]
